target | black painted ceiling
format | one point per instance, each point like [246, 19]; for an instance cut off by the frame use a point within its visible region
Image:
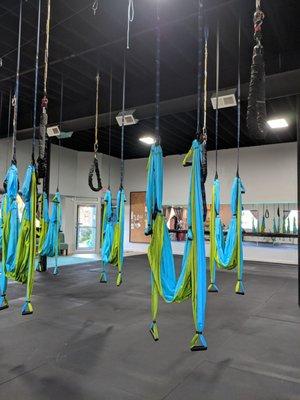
[74, 29]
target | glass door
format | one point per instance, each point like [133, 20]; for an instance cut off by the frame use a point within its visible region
[86, 227]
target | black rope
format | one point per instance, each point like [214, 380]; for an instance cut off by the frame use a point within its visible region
[123, 121]
[199, 66]
[157, 84]
[36, 77]
[15, 100]
[239, 100]
[109, 129]
[94, 169]
[217, 96]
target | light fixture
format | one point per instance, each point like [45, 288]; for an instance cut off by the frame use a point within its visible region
[226, 98]
[147, 140]
[128, 118]
[278, 123]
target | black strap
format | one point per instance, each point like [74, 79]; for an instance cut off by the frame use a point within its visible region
[36, 77]
[239, 100]
[15, 99]
[217, 98]
[95, 170]
[123, 122]
[110, 126]
[157, 73]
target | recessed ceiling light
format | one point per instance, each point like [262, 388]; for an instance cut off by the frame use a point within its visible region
[278, 123]
[147, 139]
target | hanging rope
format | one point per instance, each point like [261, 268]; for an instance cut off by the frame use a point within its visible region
[157, 84]
[239, 100]
[109, 129]
[123, 121]
[217, 96]
[15, 99]
[95, 164]
[44, 116]
[36, 77]
[130, 18]
[256, 112]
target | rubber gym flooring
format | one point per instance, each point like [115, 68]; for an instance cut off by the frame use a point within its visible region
[90, 341]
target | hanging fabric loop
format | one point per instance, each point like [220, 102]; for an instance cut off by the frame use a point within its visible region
[157, 73]
[239, 100]
[130, 18]
[94, 169]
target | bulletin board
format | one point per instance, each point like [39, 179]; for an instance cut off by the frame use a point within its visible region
[138, 218]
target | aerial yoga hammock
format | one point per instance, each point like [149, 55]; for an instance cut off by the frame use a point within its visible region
[50, 247]
[191, 282]
[227, 253]
[112, 238]
[19, 245]
[256, 112]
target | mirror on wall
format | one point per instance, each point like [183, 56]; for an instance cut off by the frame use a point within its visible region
[269, 223]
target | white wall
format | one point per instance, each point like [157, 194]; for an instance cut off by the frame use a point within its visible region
[73, 179]
[269, 174]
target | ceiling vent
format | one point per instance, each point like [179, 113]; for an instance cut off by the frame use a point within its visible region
[54, 131]
[227, 98]
[128, 118]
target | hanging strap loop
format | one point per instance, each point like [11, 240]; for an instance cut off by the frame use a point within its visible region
[130, 18]
[94, 169]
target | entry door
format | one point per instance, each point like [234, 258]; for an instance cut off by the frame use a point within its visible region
[86, 228]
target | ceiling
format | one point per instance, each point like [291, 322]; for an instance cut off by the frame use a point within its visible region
[81, 43]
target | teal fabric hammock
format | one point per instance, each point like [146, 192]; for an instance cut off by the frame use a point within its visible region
[112, 240]
[10, 229]
[226, 252]
[191, 282]
[51, 244]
